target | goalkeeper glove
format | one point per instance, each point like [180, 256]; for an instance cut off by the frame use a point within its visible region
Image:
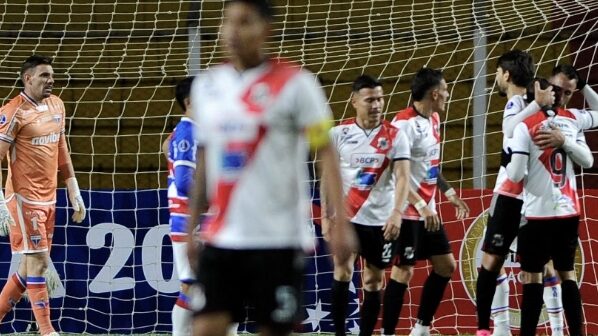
[5, 218]
[76, 200]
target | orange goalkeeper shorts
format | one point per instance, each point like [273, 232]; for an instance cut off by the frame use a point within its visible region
[33, 226]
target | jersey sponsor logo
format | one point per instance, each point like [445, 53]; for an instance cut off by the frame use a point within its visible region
[57, 118]
[470, 262]
[432, 174]
[373, 160]
[238, 130]
[365, 180]
[3, 119]
[45, 139]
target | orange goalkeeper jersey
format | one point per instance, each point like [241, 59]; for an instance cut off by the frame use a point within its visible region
[34, 131]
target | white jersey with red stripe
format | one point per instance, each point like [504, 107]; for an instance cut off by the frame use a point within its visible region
[504, 185]
[516, 104]
[550, 187]
[423, 135]
[252, 125]
[366, 159]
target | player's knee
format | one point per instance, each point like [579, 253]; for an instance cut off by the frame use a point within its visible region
[402, 274]
[372, 280]
[37, 264]
[530, 277]
[567, 275]
[343, 271]
[446, 269]
[492, 262]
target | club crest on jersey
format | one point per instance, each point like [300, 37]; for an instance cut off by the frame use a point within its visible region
[260, 94]
[382, 143]
[36, 239]
[183, 146]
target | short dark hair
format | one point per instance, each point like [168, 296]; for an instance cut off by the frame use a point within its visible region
[365, 81]
[183, 90]
[423, 81]
[530, 95]
[566, 70]
[263, 7]
[520, 66]
[33, 61]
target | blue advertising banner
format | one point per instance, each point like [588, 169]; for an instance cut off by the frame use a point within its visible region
[116, 270]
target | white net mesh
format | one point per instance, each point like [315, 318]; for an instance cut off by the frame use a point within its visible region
[117, 63]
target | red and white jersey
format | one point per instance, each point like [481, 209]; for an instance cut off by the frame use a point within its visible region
[366, 159]
[252, 125]
[423, 135]
[504, 185]
[550, 187]
[516, 104]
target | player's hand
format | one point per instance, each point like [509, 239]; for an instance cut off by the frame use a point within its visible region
[76, 200]
[5, 219]
[551, 137]
[327, 224]
[461, 208]
[392, 227]
[343, 240]
[431, 220]
[543, 97]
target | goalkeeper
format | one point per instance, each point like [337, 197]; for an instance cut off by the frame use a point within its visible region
[32, 133]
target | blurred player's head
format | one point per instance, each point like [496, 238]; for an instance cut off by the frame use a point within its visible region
[368, 100]
[530, 94]
[37, 76]
[566, 77]
[516, 68]
[245, 29]
[183, 93]
[429, 85]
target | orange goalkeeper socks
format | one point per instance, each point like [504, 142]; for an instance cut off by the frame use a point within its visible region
[11, 294]
[38, 294]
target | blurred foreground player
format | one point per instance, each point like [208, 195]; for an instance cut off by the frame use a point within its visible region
[256, 117]
[32, 133]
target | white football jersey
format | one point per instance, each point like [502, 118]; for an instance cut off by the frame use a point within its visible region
[550, 187]
[516, 104]
[423, 135]
[366, 159]
[504, 185]
[252, 125]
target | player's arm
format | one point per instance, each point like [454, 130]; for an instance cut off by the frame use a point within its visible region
[579, 151]
[184, 159]
[198, 206]
[461, 208]
[165, 146]
[65, 167]
[5, 218]
[519, 146]
[327, 214]
[541, 98]
[401, 170]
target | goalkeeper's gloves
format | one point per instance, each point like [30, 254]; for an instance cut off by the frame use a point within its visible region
[5, 218]
[76, 200]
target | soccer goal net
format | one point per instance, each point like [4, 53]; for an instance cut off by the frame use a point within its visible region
[116, 64]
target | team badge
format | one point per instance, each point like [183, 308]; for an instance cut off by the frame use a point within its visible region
[383, 143]
[183, 146]
[36, 239]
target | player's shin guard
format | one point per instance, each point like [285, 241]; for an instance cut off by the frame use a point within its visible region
[485, 289]
[11, 293]
[572, 306]
[340, 304]
[500, 305]
[554, 304]
[40, 303]
[431, 296]
[531, 306]
[181, 316]
[369, 312]
[393, 303]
